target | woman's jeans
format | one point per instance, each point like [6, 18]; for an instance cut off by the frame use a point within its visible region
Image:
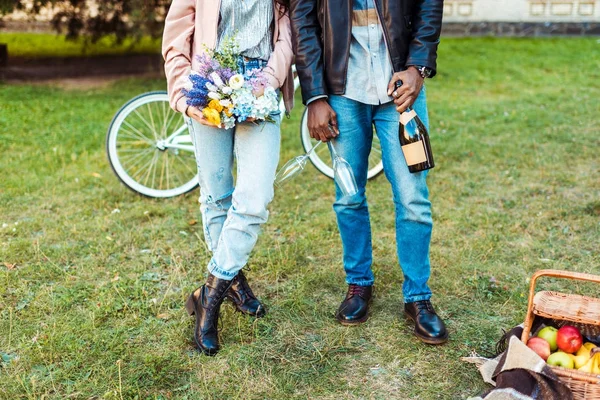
[232, 216]
[410, 194]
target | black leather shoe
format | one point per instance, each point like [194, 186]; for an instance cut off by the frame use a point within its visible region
[242, 297]
[429, 327]
[354, 309]
[205, 303]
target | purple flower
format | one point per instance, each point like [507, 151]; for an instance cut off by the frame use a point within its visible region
[256, 78]
[197, 96]
[206, 64]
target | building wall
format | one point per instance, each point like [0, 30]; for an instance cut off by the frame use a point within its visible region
[522, 11]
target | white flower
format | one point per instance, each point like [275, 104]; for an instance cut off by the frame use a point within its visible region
[217, 79]
[236, 81]
[214, 95]
[264, 105]
[211, 87]
[225, 102]
[226, 90]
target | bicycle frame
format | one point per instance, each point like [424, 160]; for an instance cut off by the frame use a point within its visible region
[177, 140]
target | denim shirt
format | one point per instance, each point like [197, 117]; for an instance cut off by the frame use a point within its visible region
[369, 65]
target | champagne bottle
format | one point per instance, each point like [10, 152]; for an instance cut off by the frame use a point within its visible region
[414, 140]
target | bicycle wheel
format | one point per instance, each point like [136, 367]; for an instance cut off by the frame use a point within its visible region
[321, 158]
[149, 147]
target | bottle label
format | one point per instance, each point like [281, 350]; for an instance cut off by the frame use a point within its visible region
[414, 153]
[408, 116]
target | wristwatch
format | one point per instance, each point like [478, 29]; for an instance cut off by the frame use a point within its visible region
[424, 71]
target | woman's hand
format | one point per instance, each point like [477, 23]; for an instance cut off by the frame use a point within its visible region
[196, 114]
[259, 91]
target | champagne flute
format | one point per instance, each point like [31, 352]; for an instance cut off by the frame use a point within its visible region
[342, 172]
[293, 167]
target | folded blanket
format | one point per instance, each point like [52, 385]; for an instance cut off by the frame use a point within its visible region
[519, 374]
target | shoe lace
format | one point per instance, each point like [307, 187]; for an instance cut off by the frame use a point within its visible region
[354, 290]
[424, 305]
[246, 287]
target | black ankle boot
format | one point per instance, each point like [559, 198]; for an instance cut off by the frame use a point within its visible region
[244, 300]
[205, 303]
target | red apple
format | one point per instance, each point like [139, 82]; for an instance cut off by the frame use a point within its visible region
[540, 346]
[569, 339]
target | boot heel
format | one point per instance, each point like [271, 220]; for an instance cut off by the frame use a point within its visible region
[190, 305]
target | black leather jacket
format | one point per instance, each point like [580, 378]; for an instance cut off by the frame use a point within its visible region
[321, 35]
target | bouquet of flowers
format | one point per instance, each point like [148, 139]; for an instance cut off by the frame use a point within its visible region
[227, 96]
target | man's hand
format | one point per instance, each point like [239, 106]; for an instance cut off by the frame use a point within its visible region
[322, 121]
[195, 113]
[405, 95]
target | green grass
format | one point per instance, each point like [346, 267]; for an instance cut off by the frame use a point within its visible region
[91, 301]
[39, 45]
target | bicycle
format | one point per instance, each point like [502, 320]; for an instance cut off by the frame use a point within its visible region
[151, 152]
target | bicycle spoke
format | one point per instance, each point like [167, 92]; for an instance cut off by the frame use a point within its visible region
[142, 169]
[154, 173]
[152, 120]
[165, 115]
[186, 164]
[130, 158]
[134, 135]
[130, 139]
[168, 125]
[146, 123]
[133, 169]
[123, 150]
[137, 131]
[150, 169]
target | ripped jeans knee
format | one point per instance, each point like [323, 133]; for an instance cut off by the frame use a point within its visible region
[214, 213]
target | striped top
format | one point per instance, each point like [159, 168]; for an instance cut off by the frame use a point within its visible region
[250, 22]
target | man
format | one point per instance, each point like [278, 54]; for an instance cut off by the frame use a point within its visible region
[349, 55]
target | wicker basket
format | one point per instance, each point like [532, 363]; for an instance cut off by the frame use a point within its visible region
[580, 311]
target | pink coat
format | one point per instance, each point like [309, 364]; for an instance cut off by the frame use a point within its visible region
[192, 24]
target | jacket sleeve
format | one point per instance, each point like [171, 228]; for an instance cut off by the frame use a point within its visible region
[426, 27]
[177, 50]
[280, 61]
[307, 45]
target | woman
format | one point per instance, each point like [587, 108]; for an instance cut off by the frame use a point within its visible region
[231, 217]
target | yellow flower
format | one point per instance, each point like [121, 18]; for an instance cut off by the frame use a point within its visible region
[215, 105]
[212, 116]
[229, 111]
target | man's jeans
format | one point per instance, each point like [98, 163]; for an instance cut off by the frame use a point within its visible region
[231, 217]
[410, 194]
